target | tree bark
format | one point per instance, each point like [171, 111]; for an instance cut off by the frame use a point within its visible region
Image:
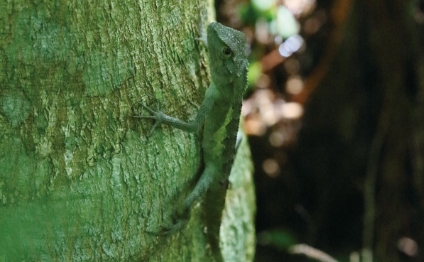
[79, 178]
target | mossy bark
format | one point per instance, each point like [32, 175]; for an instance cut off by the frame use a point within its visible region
[79, 179]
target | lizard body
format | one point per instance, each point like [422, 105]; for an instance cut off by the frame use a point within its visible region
[219, 115]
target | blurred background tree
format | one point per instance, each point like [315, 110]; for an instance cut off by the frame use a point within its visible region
[336, 124]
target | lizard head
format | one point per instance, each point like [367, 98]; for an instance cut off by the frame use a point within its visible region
[227, 55]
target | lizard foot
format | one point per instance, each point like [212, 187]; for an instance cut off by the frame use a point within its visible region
[156, 115]
[166, 231]
[180, 221]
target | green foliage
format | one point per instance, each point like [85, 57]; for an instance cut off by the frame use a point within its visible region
[279, 238]
[255, 71]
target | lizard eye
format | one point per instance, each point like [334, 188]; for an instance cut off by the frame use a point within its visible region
[226, 51]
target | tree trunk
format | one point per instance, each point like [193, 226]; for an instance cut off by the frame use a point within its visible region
[79, 178]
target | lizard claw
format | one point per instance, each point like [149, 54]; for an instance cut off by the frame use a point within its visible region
[148, 108]
[169, 230]
[156, 115]
[179, 220]
[176, 227]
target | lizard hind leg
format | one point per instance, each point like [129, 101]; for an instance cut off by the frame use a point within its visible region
[206, 179]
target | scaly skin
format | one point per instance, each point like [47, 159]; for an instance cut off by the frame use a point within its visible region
[219, 115]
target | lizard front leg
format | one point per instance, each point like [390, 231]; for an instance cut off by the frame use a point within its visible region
[161, 118]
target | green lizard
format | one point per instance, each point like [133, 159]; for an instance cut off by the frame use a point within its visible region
[219, 115]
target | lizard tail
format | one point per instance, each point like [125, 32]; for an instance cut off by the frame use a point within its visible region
[214, 205]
